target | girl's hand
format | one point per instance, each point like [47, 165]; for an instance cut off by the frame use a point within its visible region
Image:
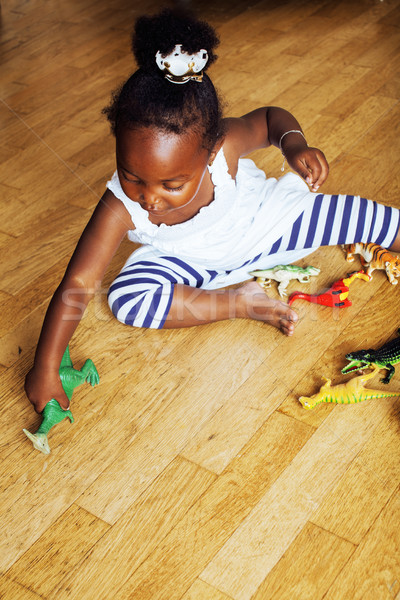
[41, 387]
[310, 164]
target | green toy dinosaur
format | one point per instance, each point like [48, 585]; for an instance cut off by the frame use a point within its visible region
[385, 357]
[53, 413]
[351, 392]
[283, 274]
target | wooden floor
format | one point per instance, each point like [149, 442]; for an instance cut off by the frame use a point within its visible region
[192, 472]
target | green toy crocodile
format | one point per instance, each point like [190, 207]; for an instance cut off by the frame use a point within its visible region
[385, 357]
[53, 413]
[283, 274]
[351, 392]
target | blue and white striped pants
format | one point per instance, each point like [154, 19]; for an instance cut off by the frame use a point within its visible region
[141, 295]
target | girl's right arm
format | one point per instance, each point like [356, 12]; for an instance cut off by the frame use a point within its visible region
[271, 125]
[100, 240]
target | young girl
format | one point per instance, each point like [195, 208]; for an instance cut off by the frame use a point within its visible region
[205, 217]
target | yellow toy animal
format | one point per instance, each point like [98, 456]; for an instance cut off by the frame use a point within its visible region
[374, 257]
[351, 392]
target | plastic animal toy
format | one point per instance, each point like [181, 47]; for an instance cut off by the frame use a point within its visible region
[283, 274]
[337, 293]
[351, 392]
[53, 413]
[385, 357]
[374, 257]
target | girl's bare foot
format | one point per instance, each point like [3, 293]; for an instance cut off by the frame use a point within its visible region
[255, 304]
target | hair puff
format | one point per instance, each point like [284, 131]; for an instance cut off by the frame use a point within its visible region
[148, 99]
[161, 32]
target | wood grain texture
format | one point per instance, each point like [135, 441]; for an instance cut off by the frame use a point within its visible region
[142, 529]
[192, 472]
[255, 547]
[60, 549]
[211, 521]
[308, 568]
[372, 573]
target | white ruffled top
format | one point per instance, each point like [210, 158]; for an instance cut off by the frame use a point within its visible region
[248, 214]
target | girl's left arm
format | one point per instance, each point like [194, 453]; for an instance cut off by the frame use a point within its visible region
[97, 245]
[274, 126]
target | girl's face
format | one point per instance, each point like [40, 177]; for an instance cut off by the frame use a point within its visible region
[161, 171]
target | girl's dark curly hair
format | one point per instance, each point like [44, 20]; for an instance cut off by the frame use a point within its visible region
[147, 99]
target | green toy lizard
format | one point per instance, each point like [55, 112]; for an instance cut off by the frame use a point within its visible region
[53, 413]
[385, 357]
[283, 274]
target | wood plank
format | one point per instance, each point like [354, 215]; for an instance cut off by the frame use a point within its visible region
[374, 81]
[21, 338]
[391, 191]
[179, 414]
[349, 173]
[254, 343]
[10, 67]
[58, 550]
[290, 502]
[32, 296]
[57, 83]
[141, 529]
[352, 42]
[393, 16]
[39, 244]
[229, 430]
[373, 570]
[30, 478]
[367, 485]
[339, 85]
[308, 568]
[11, 590]
[355, 14]
[384, 133]
[14, 409]
[387, 49]
[289, 17]
[342, 137]
[202, 591]
[210, 522]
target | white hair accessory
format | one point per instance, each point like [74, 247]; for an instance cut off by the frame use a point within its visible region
[181, 67]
